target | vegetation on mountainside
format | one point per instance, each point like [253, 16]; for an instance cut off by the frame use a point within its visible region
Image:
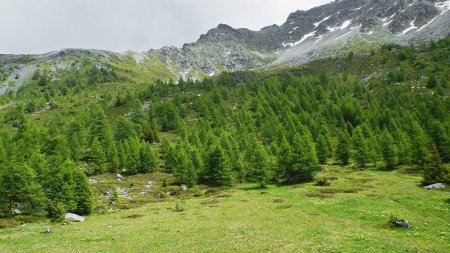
[260, 126]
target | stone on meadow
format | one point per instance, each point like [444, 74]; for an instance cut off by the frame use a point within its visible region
[435, 186]
[74, 217]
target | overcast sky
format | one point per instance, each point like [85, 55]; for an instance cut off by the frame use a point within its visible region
[38, 26]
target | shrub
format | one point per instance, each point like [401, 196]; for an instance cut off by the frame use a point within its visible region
[322, 181]
[56, 211]
[180, 205]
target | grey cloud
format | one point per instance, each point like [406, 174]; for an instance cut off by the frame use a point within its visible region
[37, 26]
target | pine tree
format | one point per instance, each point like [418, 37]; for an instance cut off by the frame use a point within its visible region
[219, 166]
[420, 151]
[361, 151]
[434, 171]
[184, 170]
[343, 148]
[260, 165]
[97, 156]
[404, 149]
[323, 149]
[388, 149]
[303, 162]
[132, 147]
[148, 159]
[18, 187]
[283, 158]
[71, 188]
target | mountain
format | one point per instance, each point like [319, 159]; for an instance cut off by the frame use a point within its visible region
[325, 31]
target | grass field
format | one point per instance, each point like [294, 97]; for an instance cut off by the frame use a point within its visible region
[349, 215]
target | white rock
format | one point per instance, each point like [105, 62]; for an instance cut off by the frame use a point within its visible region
[74, 217]
[435, 186]
[184, 187]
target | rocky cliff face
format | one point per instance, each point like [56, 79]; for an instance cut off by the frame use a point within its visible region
[319, 32]
[323, 31]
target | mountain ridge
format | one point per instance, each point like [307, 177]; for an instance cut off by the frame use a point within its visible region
[323, 31]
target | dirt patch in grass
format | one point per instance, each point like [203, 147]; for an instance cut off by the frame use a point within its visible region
[133, 216]
[277, 200]
[224, 195]
[284, 206]
[319, 195]
[210, 202]
[329, 192]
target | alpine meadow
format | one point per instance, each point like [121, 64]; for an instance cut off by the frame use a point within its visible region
[328, 133]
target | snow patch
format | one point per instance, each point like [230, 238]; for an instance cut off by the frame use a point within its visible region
[287, 44]
[357, 9]
[319, 38]
[412, 27]
[444, 6]
[346, 24]
[342, 27]
[387, 23]
[305, 37]
[321, 21]
[343, 35]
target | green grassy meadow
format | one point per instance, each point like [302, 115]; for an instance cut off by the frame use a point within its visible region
[349, 215]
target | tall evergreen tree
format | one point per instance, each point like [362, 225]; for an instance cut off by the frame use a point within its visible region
[97, 156]
[388, 149]
[260, 165]
[434, 171]
[343, 148]
[361, 151]
[419, 141]
[219, 166]
[302, 163]
[323, 149]
[149, 161]
[19, 189]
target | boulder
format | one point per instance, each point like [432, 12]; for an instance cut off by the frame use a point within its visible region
[74, 217]
[149, 184]
[119, 177]
[401, 223]
[435, 186]
[184, 187]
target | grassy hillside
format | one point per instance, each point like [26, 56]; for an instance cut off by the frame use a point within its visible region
[319, 157]
[350, 215]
